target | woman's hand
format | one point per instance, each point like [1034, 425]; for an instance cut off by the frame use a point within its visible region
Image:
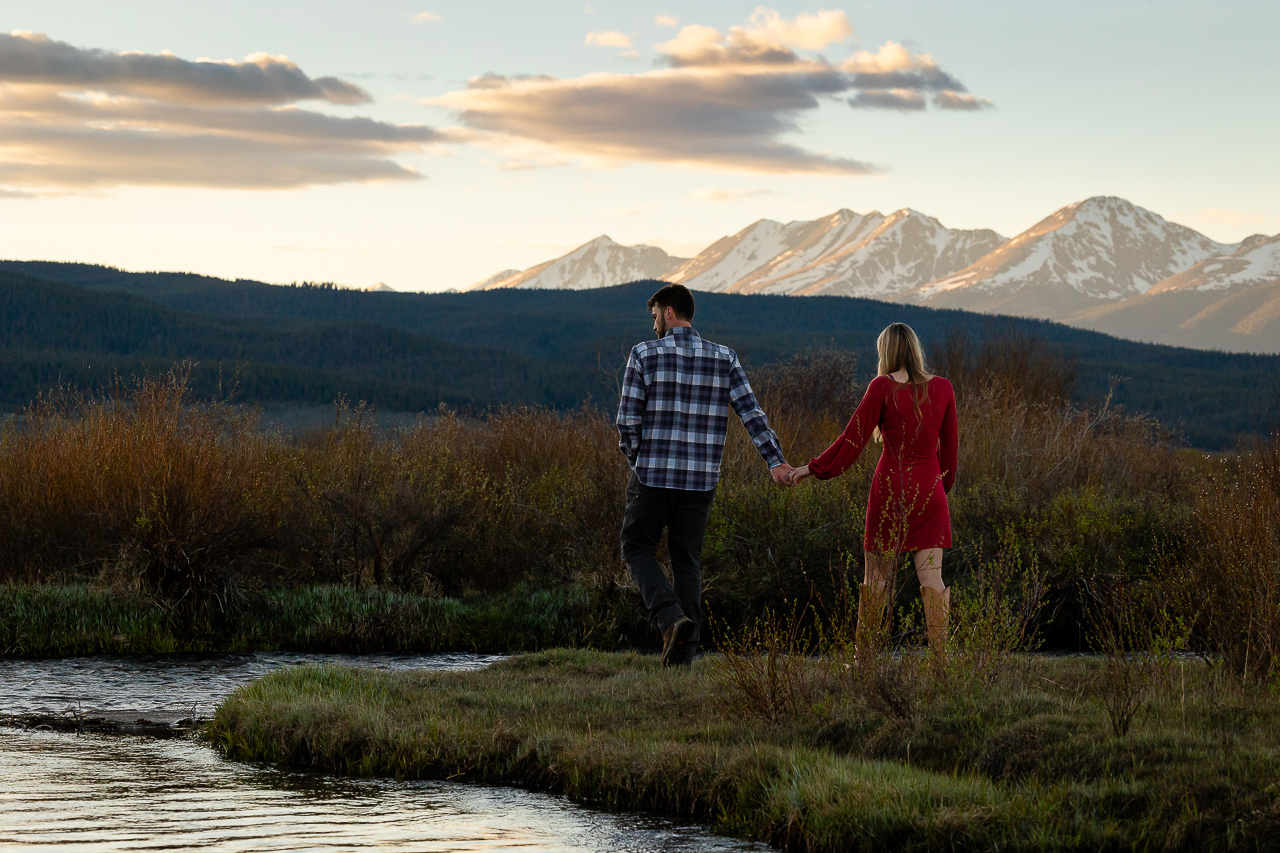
[798, 474]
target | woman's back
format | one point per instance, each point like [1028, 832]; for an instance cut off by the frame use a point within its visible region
[911, 436]
[907, 506]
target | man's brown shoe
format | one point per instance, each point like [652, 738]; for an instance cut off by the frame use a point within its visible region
[674, 640]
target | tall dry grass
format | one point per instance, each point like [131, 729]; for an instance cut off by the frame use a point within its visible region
[144, 488]
[190, 504]
[1229, 578]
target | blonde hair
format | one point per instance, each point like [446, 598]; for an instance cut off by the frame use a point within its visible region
[899, 349]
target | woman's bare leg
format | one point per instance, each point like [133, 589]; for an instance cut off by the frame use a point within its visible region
[879, 569]
[936, 599]
[874, 604]
[929, 568]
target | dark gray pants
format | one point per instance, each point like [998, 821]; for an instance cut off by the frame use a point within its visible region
[684, 515]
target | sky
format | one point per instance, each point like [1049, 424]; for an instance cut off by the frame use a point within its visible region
[428, 145]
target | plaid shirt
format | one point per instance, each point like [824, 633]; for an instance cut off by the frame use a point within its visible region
[674, 411]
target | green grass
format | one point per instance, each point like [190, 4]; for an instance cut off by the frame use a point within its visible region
[1028, 763]
[50, 620]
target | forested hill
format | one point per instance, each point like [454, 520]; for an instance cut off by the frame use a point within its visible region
[55, 334]
[412, 351]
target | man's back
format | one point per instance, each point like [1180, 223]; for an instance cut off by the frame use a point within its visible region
[676, 396]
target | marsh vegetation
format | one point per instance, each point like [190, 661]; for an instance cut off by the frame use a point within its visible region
[895, 755]
[143, 520]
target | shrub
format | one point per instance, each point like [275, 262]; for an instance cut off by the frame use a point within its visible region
[996, 613]
[190, 504]
[764, 668]
[181, 500]
[1232, 572]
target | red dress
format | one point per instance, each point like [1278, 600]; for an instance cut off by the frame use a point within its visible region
[907, 510]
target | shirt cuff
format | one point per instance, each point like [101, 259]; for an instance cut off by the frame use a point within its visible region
[773, 455]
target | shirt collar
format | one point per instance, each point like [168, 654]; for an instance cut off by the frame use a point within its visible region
[677, 332]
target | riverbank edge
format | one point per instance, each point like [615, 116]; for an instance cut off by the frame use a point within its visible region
[799, 797]
[75, 723]
[39, 621]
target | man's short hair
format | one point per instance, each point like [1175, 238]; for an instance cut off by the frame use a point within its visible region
[676, 297]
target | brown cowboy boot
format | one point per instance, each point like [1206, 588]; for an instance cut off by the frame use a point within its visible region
[937, 612]
[873, 621]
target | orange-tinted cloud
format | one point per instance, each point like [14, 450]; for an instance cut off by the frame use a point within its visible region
[73, 118]
[724, 100]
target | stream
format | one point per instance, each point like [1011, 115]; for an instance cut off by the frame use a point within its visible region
[98, 792]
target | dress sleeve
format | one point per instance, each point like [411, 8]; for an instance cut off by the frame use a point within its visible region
[949, 445]
[837, 458]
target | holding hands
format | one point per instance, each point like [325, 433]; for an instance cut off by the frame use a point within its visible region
[785, 475]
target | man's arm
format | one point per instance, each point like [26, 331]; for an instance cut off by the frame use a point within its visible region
[754, 419]
[631, 409]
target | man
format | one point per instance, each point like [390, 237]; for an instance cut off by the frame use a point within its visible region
[672, 417]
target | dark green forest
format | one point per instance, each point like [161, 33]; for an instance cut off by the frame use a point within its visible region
[81, 325]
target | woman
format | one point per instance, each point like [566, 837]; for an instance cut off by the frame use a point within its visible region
[914, 413]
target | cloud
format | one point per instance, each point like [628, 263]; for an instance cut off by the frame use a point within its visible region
[609, 38]
[895, 78]
[33, 58]
[426, 17]
[72, 118]
[895, 67]
[667, 21]
[612, 38]
[806, 31]
[715, 194]
[769, 38]
[718, 100]
[889, 58]
[905, 100]
[667, 115]
[950, 99]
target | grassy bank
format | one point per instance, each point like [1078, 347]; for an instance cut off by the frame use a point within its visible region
[64, 620]
[1027, 761]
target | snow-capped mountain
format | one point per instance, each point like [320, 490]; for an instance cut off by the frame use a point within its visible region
[1255, 261]
[1230, 302]
[844, 254]
[599, 263]
[1095, 251]
[493, 279]
[1102, 263]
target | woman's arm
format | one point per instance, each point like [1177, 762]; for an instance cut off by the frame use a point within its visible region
[949, 445]
[837, 458]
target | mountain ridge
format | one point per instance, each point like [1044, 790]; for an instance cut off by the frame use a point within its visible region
[1070, 266]
[311, 343]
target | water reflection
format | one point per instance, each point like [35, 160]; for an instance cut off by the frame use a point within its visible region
[92, 792]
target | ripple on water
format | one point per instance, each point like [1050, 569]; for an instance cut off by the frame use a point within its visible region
[96, 793]
[112, 793]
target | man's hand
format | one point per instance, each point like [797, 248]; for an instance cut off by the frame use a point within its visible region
[797, 474]
[782, 474]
